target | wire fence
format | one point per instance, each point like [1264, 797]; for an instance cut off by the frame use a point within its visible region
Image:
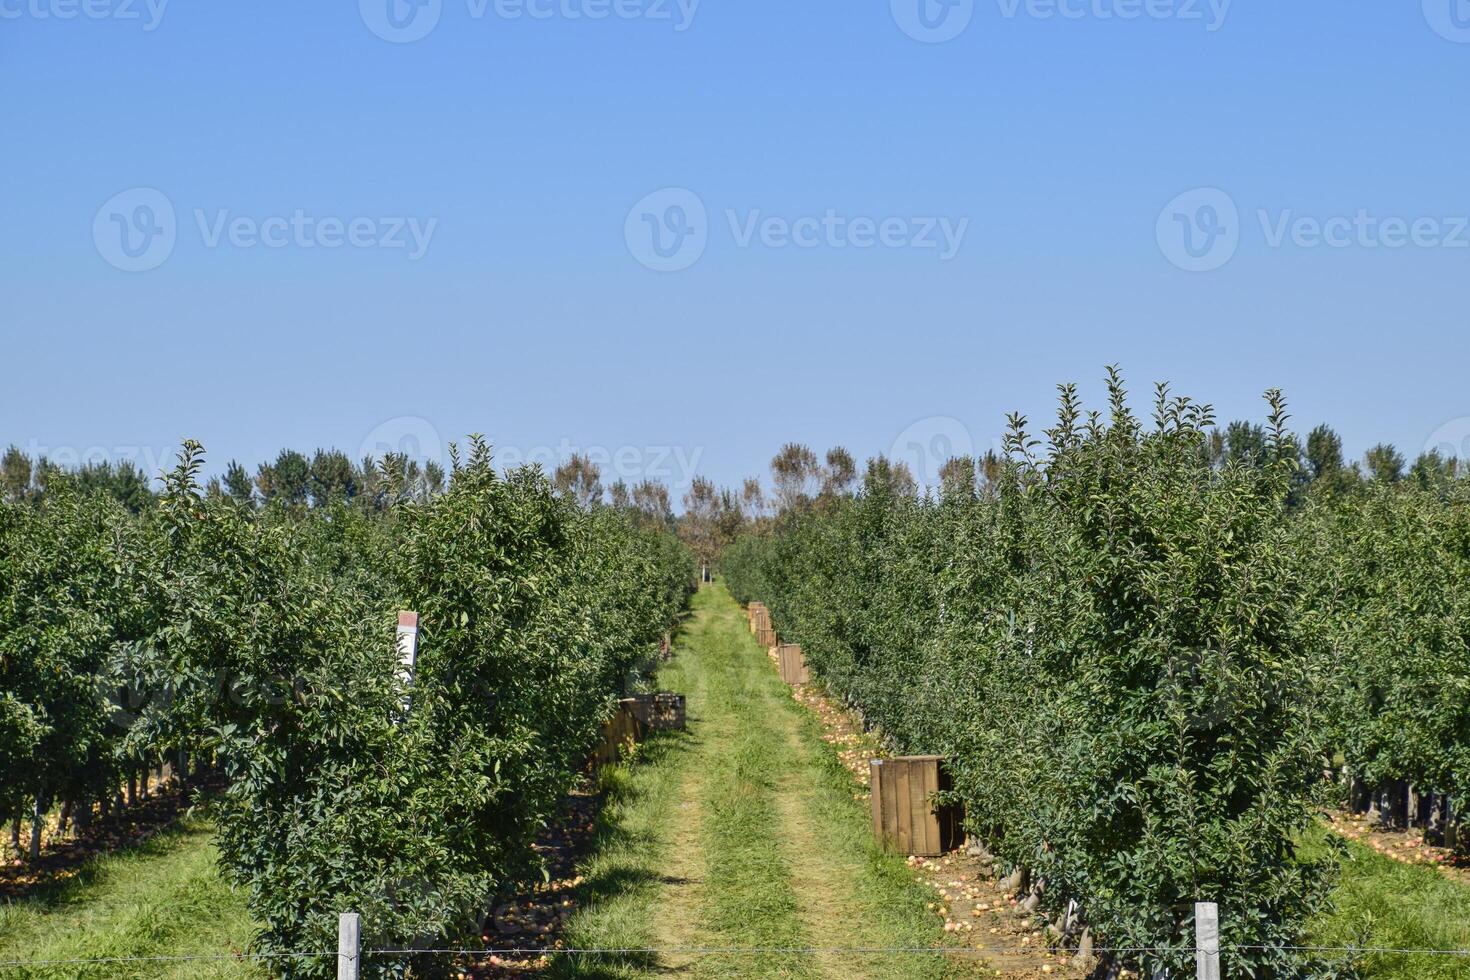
[482, 952]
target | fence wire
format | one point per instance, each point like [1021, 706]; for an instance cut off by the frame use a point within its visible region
[738, 951]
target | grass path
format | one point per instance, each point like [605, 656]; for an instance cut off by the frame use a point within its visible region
[162, 897]
[744, 833]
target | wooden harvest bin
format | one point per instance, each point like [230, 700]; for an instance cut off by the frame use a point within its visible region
[659, 712]
[792, 664]
[766, 637]
[904, 815]
[623, 727]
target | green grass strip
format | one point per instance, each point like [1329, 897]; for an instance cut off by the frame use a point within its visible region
[744, 832]
[162, 898]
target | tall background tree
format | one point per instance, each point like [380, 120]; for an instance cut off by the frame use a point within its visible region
[580, 480]
[1384, 463]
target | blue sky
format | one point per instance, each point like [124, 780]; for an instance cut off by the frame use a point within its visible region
[811, 152]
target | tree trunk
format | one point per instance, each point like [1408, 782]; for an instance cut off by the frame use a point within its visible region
[1401, 814]
[1359, 796]
[15, 837]
[132, 788]
[38, 814]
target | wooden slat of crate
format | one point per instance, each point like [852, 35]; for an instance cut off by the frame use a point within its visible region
[904, 816]
[766, 637]
[897, 779]
[659, 712]
[792, 664]
[875, 798]
[926, 831]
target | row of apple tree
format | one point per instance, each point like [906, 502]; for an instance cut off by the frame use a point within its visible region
[265, 642]
[1144, 665]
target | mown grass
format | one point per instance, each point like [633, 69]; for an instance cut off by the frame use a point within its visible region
[623, 888]
[743, 834]
[164, 897]
[1386, 904]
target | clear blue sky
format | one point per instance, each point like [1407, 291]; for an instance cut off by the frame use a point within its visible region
[1056, 142]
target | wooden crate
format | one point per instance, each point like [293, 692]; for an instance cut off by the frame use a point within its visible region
[791, 664]
[766, 637]
[904, 815]
[659, 712]
[618, 732]
[760, 616]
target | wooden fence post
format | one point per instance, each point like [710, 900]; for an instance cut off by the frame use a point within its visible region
[349, 946]
[408, 644]
[1207, 940]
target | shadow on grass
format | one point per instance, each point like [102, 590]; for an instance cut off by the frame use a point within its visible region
[611, 835]
[79, 865]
